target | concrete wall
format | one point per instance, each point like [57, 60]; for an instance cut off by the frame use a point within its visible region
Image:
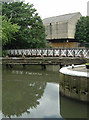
[63, 29]
[47, 30]
[72, 25]
[74, 87]
[57, 30]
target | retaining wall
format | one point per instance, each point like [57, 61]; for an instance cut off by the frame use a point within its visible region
[74, 84]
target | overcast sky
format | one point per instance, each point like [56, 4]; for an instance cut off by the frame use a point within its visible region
[49, 8]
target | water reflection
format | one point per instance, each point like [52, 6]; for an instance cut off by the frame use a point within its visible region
[70, 108]
[30, 94]
[48, 104]
[0, 91]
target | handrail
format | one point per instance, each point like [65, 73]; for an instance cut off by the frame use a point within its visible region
[50, 52]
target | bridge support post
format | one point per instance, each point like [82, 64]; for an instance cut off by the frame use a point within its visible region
[6, 65]
[52, 67]
[43, 66]
[23, 65]
[11, 66]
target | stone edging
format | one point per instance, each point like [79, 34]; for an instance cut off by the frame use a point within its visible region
[67, 71]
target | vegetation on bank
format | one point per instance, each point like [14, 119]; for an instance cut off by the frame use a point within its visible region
[87, 63]
[82, 30]
[8, 30]
[24, 27]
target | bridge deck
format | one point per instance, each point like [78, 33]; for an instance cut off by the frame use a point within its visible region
[44, 60]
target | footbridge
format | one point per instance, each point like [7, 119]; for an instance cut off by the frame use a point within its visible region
[57, 56]
[51, 52]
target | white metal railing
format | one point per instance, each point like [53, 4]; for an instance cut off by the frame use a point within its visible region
[61, 52]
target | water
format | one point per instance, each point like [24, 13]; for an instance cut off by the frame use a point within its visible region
[33, 93]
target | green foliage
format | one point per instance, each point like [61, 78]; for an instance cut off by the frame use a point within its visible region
[82, 30]
[32, 32]
[0, 50]
[87, 63]
[8, 30]
[4, 53]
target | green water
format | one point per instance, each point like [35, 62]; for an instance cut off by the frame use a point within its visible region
[34, 93]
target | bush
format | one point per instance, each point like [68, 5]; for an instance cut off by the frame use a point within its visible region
[4, 53]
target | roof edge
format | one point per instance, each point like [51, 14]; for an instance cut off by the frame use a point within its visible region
[63, 15]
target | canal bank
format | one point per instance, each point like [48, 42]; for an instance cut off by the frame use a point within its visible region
[74, 82]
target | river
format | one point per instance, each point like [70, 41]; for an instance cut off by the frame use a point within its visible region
[34, 93]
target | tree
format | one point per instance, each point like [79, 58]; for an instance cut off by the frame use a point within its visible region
[82, 30]
[32, 32]
[8, 31]
[10, 1]
[0, 35]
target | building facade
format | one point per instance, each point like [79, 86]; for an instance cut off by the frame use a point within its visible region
[60, 30]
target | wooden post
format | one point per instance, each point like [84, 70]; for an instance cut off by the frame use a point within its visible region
[43, 66]
[23, 65]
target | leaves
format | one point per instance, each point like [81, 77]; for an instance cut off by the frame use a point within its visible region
[82, 30]
[32, 32]
[8, 30]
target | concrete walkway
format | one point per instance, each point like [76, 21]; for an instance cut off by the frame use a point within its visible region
[78, 70]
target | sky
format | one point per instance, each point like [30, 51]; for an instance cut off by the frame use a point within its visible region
[88, 8]
[49, 8]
